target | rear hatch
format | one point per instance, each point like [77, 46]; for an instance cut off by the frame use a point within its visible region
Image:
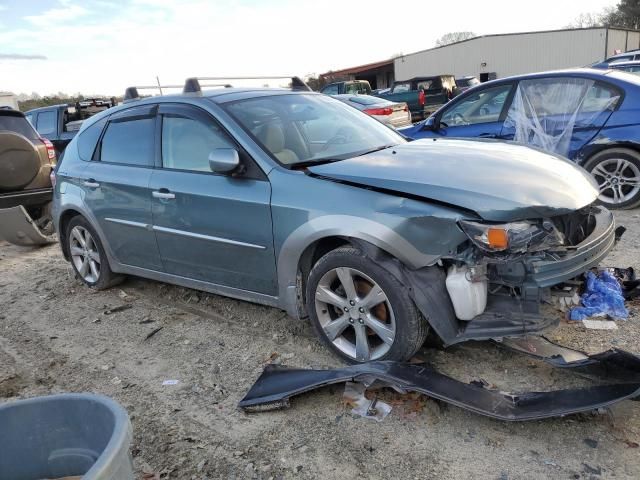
[26, 160]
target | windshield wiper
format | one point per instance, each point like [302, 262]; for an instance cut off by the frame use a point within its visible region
[377, 149]
[322, 161]
[317, 161]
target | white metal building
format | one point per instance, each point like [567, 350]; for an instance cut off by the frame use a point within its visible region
[8, 100]
[503, 55]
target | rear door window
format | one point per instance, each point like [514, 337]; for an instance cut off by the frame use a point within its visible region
[46, 124]
[599, 98]
[129, 142]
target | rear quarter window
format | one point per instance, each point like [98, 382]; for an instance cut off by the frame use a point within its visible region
[88, 139]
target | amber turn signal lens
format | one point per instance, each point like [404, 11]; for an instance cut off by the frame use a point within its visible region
[497, 238]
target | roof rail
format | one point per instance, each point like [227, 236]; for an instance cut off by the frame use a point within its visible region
[131, 93]
[192, 84]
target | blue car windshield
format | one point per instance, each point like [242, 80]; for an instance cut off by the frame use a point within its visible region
[305, 129]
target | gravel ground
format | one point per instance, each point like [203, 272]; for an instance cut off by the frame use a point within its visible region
[55, 336]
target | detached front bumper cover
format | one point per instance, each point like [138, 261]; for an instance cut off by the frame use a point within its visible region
[279, 383]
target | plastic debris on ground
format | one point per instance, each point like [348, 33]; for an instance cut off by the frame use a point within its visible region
[599, 324]
[565, 298]
[170, 382]
[602, 297]
[374, 409]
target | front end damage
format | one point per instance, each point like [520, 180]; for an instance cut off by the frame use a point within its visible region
[498, 292]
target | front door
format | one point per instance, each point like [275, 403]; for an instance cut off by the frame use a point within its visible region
[478, 115]
[210, 227]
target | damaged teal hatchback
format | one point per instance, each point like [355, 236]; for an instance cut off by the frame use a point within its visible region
[293, 199]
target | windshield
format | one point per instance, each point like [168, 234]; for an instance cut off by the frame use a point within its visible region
[297, 129]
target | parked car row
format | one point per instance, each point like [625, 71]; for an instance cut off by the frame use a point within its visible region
[30, 145]
[422, 95]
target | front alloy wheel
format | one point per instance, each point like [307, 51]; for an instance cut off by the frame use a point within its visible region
[355, 314]
[360, 310]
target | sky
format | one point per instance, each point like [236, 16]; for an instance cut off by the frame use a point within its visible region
[101, 46]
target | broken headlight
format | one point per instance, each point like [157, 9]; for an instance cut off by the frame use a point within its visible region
[516, 237]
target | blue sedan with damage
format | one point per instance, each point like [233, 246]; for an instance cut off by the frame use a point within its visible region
[292, 199]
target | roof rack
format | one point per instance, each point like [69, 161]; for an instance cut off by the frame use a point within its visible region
[192, 84]
[131, 93]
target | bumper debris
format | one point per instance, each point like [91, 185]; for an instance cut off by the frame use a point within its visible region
[278, 383]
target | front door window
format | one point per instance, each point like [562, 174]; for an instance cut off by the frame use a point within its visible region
[484, 106]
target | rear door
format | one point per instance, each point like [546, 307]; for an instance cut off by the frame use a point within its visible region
[478, 114]
[116, 185]
[210, 227]
[559, 114]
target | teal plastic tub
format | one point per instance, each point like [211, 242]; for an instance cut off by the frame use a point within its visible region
[65, 435]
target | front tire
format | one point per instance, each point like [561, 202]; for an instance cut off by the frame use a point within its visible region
[88, 257]
[617, 171]
[360, 311]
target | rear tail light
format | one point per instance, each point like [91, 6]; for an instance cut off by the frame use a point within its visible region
[405, 109]
[51, 151]
[421, 97]
[379, 111]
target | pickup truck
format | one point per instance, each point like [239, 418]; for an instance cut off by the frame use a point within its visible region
[424, 95]
[60, 123]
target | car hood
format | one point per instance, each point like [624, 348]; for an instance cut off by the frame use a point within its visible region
[499, 181]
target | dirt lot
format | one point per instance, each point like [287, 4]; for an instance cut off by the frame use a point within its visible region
[56, 336]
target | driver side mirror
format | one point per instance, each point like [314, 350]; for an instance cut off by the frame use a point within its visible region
[224, 160]
[430, 124]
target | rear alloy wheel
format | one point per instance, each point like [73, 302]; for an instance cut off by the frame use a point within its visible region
[617, 172]
[84, 254]
[87, 255]
[361, 311]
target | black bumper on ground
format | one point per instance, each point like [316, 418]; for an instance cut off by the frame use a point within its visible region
[279, 383]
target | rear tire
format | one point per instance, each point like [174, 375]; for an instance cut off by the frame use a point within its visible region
[361, 311]
[617, 171]
[88, 258]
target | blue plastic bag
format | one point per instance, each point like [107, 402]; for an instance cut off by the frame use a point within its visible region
[602, 297]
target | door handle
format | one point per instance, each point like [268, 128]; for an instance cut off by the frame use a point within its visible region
[91, 183]
[163, 194]
[487, 135]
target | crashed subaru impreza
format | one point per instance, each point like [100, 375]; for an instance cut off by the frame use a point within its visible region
[295, 200]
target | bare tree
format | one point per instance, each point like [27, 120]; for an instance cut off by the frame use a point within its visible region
[453, 37]
[586, 20]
